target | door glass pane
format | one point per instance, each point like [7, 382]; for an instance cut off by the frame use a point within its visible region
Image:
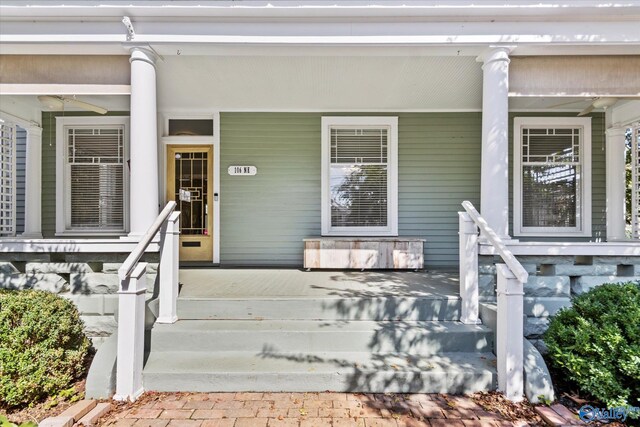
[191, 192]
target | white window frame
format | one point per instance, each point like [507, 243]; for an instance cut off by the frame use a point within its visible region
[392, 175]
[63, 196]
[583, 220]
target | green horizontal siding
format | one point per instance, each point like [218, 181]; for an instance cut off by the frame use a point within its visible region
[264, 218]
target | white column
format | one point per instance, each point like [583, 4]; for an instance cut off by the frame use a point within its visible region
[131, 314]
[510, 334]
[468, 235]
[616, 183]
[143, 205]
[33, 184]
[168, 277]
[494, 179]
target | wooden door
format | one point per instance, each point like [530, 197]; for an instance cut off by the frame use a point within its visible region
[190, 184]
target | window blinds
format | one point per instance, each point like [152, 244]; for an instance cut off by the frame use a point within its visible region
[7, 179]
[96, 171]
[359, 176]
[551, 177]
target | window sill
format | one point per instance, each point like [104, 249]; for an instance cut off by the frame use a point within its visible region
[87, 234]
[552, 234]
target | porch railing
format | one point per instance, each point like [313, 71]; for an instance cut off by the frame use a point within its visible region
[510, 290]
[131, 300]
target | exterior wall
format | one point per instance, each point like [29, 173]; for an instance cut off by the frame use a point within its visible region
[49, 165]
[598, 180]
[265, 217]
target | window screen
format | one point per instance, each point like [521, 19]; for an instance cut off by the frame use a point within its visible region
[95, 168]
[551, 177]
[358, 177]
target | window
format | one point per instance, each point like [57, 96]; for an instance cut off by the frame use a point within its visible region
[552, 176]
[7, 178]
[359, 176]
[92, 158]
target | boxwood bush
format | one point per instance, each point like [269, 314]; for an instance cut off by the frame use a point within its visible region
[43, 348]
[596, 343]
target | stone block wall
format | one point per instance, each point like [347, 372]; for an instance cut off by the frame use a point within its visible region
[88, 280]
[553, 281]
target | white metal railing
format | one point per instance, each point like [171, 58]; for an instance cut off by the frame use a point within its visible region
[131, 300]
[510, 290]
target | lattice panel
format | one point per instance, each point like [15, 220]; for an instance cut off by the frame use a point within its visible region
[7, 179]
[635, 173]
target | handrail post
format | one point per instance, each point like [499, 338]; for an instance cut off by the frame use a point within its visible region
[169, 259]
[509, 334]
[131, 314]
[468, 235]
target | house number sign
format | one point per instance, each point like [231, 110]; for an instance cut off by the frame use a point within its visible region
[242, 170]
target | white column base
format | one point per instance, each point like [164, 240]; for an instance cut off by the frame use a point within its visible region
[510, 335]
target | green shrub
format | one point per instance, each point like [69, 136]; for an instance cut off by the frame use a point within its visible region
[42, 346]
[596, 343]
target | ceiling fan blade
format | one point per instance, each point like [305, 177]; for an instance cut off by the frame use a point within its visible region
[569, 103]
[85, 105]
[51, 102]
[586, 111]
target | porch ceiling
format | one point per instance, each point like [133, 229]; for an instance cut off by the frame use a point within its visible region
[202, 84]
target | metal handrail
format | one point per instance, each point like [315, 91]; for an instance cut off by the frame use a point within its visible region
[507, 256]
[132, 260]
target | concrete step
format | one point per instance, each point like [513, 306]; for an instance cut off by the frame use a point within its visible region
[319, 371]
[424, 338]
[378, 308]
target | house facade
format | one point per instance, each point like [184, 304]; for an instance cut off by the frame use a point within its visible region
[284, 126]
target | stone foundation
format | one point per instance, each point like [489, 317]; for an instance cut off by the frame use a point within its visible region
[554, 280]
[90, 281]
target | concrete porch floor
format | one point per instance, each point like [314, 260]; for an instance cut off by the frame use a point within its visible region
[292, 283]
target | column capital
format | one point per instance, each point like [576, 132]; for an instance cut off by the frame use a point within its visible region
[35, 131]
[143, 53]
[495, 53]
[616, 131]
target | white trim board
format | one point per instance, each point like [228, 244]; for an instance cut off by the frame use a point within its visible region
[391, 122]
[583, 227]
[63, 89]
[213, 141]
[72, 245]
[62, 199]
[567, 248]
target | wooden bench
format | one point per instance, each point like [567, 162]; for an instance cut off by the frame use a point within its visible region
[364, 253]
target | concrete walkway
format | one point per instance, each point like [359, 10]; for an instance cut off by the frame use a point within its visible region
[307, 410]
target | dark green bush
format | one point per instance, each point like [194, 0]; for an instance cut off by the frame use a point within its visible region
[42, 346]
[596, 343]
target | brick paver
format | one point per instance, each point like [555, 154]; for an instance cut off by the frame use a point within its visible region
[306, 410]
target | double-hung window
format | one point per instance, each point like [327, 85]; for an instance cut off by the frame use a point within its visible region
[92, 175]
[359, 176]
[552, 176]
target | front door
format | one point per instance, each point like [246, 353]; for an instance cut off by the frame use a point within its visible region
[190, 184]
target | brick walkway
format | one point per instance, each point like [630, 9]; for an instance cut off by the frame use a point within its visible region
[307, 410]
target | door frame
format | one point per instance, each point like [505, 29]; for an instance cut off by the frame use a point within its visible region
[213, 142]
